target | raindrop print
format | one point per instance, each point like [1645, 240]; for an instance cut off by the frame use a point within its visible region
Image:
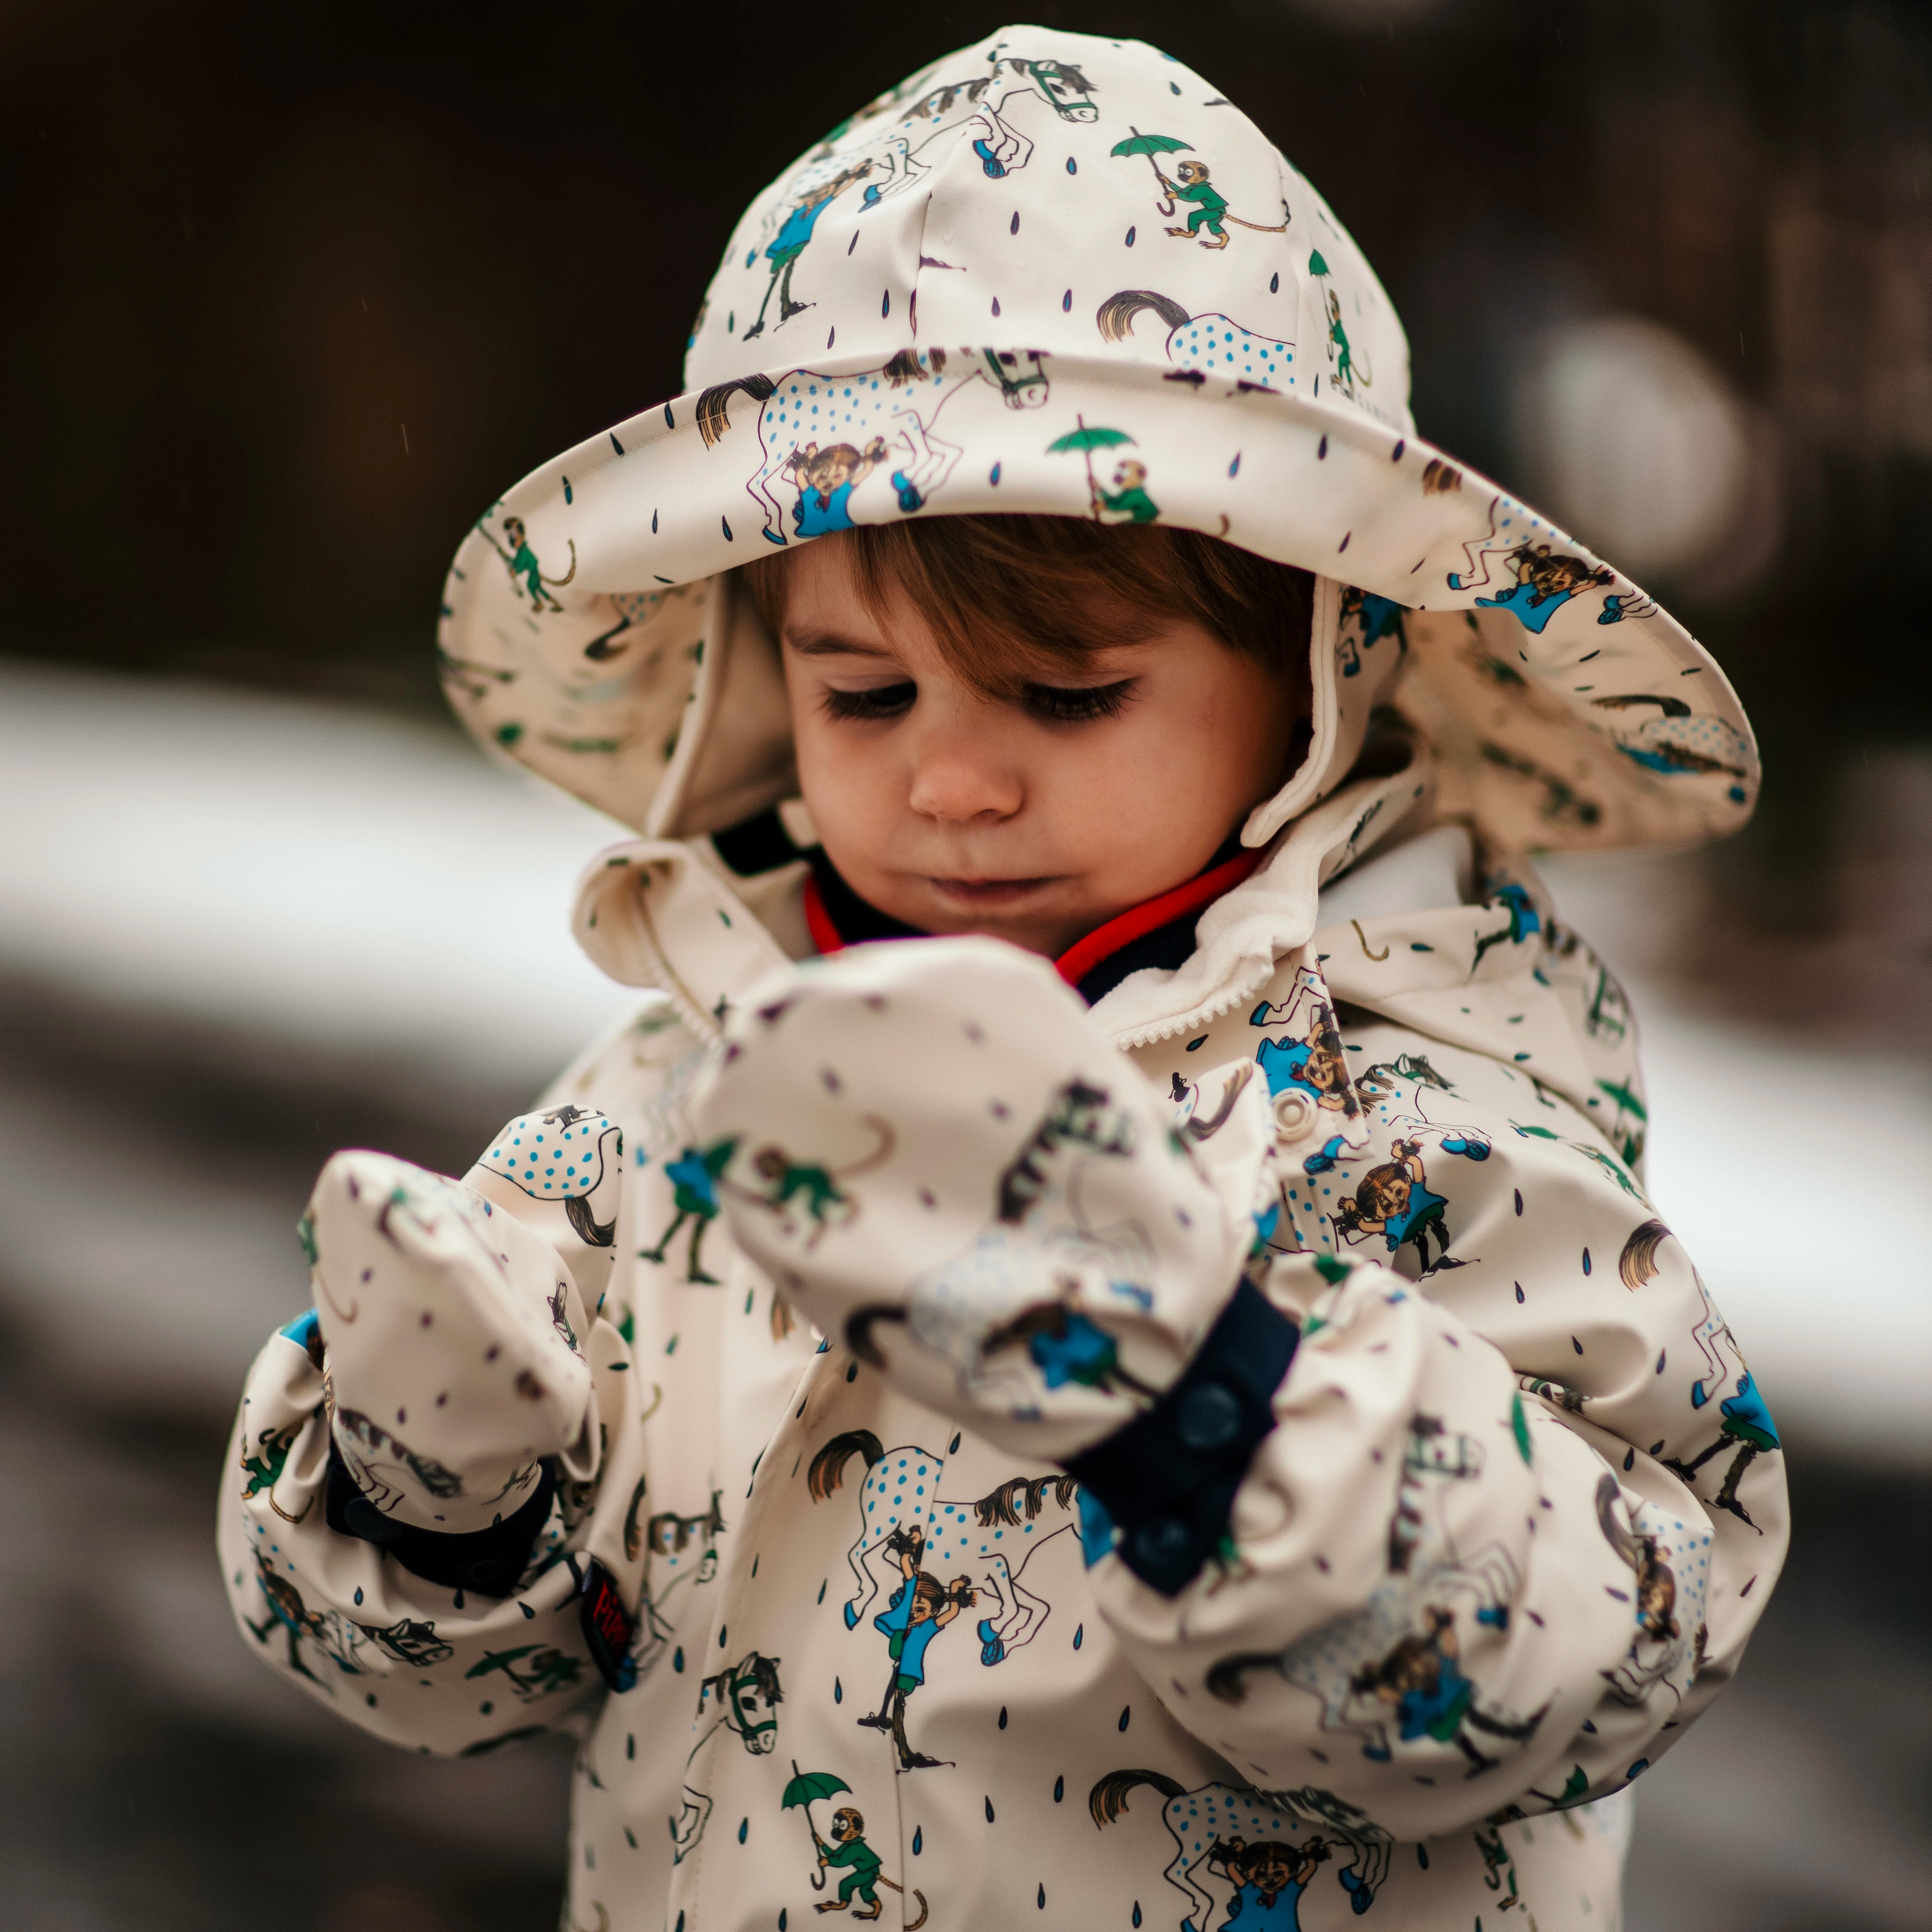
[528, 1612]
[728, 537]
[1661, 1354]
[1013, 227]
[1395, 454]
[1235, 468]
[1173, 87]
[671, 421]
[782, 1919]
[1127, 1712]
[1344, 544]
[838, 1691]
[952, 1447]
[918, 1840]
[631, 1746]
[821, 1590]
[1422, 1856]
[1586, 1260]
[1059, 1788]
[1274, 283]
[886, 303]
[1518, 1291]
[1137, 1912]
[567, 496]
[721, 1636]
[852, 1372]
[989, 1811]
[832, 336]
[677, 1658]
[1079, 1632]
[1321, 448]
[1003, 1717]
[1518, 1201]
[654, 523]
[744, 1827]
[680, 1916]
[1131, 233]
[459, 1600]
[1576, 1344]
[1072, 167]
[995, 479]
[359, 1595]
[1066, 302]
[615, 444]
[996, 304]
[853, 243]
[1630, 1459]
[1042, 1900]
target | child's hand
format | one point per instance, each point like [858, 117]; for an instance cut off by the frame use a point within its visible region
[452, 1332]
[947, 1166]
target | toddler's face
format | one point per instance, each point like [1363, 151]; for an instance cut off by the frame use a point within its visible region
[1034, 819]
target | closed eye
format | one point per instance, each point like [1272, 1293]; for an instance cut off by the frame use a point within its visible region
[1077, 704]
[874, 702]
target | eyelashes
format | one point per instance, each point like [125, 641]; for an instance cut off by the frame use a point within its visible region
[1076, 704]
[887, 700]
[1050, 703]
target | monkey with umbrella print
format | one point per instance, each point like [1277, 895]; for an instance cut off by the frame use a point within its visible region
[848, 1848]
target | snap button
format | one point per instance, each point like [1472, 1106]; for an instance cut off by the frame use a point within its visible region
[1209, 1418]
[1294, 1113]
[1161, 1542]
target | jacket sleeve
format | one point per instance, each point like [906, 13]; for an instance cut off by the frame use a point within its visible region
[434, 1666]
[1516, 1518]
[409, 1527]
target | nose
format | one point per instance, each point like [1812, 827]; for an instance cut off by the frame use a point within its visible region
[963, 772]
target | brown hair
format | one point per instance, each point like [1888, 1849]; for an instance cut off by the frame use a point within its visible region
[1009, 596]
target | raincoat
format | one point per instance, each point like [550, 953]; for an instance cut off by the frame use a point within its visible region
[1236, 1447]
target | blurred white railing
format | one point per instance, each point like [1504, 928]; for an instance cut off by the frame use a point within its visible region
[343, 878]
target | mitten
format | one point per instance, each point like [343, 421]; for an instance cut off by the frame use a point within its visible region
[451, 1314]
[943, 1163]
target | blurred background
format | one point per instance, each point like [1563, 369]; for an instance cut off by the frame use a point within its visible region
[294, 293]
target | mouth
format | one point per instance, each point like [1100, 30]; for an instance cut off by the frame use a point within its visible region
[982, 893]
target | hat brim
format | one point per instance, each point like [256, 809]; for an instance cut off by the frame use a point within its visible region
[1568, 709]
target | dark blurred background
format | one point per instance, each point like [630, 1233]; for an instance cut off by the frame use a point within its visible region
[293, 294]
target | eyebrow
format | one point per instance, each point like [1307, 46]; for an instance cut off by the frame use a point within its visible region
[825, 644]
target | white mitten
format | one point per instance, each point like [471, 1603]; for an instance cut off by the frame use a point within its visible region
[944, 1163]
[451, 1328]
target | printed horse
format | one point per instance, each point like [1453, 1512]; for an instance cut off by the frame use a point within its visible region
[1010, 1288]
[991, 1539]
[1209, 1822]
[743, 1699]
[884, 418]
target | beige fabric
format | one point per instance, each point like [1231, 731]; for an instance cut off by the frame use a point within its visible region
[1549, 1436]
[1000, 317]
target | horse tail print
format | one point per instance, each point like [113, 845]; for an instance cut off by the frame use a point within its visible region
[1109, 1798]
[827, 1472]
[712, 421]
[1115, 317]
[1638, 1262]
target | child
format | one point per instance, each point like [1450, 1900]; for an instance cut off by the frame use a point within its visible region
[1191, 1325]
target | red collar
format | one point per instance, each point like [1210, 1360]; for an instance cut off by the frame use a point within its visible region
[1080, 959]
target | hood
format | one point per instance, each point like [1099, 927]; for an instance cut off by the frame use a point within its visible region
[1061, 273]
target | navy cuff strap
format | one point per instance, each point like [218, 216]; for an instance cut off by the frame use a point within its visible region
[1168, 1478]
[487, 1561]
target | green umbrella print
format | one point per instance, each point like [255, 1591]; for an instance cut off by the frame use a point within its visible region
[1151, 144]
[807, 1788]
[1087, 438]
